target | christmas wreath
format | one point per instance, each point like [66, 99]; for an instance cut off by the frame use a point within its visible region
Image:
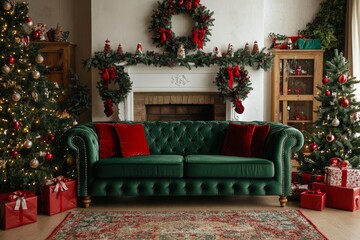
[233, 82]
[120, 80]
[161, 24]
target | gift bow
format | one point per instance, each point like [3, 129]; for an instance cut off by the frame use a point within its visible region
[318, 191]
[336, 162]
[19, 197]
[164, 34]
[199, 36]
[59, 183]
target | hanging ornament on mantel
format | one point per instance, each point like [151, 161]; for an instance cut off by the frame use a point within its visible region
[335, 122]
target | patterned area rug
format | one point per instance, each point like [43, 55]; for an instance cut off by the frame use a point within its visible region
[166, 225]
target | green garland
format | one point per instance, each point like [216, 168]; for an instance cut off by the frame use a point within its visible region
[110, 60]
[161, 24]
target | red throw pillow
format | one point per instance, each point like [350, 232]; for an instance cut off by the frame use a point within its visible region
[132, 140]
[258, 140]
[238, 140]
[108, 140]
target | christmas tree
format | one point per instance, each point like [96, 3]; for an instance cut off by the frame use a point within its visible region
[335, 135]
[31, 115]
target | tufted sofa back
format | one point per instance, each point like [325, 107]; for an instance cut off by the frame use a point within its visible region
[185, 137]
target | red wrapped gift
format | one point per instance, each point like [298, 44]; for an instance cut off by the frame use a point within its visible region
[17, 209]
[58, 195]
[340, 197]
[345, 177]
[313, 199]
[306, 178]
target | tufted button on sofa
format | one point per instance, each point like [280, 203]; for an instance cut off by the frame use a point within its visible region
[185, 159]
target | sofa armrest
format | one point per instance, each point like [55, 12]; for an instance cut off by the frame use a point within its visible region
[82, 140]
[282, 141]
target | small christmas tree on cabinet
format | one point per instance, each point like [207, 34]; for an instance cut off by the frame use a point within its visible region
[31, 117]
[335, 135]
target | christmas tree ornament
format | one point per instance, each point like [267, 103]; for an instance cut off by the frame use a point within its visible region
[11, 60]
[107, 48]
[39, 59]
[14, 153]
[29, 21]
[35, 96]
[344, 102]
[325, 80]
[5, 69]
[139, 51]
[70, 160]
[2, 164]
[26, 41]
[7, 6]
[313, 147]
[16, 125]
[35, 74]
[48, 157]
[335, 122]
[35, 35]
[342, 79]
[75, 123]
[28, 144]
[330, 137]
[51, 138]
[328, 93]
[16, 96]
[34, 163]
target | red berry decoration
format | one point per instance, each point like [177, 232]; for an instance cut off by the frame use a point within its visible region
[13, 153]
[328, 93]
[325, 80]
[35, 35]
[48, 157]
[16, 125]
[342, 79]
[344, 103]
[313, 147]
[11, 60]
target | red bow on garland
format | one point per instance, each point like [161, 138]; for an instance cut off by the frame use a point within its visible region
[196, 3]
[199, 37]
[19, 197]
[164, 34]
[231, 72]
[107, 75]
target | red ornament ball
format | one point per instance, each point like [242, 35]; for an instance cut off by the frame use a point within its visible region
[51, 138]
[313, 147]
[35, 35]
[328, 93]
[13, 153]
[11, 60]
[48, 157]
[344, 102]
[16, 125]
[325, 80]
[342, 79]
[28, 19]
[330, 137]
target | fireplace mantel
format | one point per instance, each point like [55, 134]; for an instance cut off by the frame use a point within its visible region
[165, 79]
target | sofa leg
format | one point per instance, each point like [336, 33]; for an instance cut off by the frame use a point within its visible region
[283, 200]
[86, 201]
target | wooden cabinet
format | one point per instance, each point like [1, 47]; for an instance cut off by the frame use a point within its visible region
[295, 76]
[59, 57]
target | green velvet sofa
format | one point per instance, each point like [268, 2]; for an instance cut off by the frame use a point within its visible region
[185, 160]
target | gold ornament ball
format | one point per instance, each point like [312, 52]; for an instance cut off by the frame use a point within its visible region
[5, 69]
[39, 59]
[36, 74]
[7, 6]
[16, 96]
[34, 163]
[70, 160]
[56, 167]
[28, 144]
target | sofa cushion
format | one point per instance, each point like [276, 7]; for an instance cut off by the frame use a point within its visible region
[228, 167]
[238, 140]
[258, 140]
[108, 140]
[132, 140]
[154, 166]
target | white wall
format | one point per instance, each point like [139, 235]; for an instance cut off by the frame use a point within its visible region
[127, 22]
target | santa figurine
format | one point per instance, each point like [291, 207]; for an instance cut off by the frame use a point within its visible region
[230, 51]
[139, 52]
[181, 52]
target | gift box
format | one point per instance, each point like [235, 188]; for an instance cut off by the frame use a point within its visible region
[58, 195]
[313, 199]
[306, 178]
[17, 209]
[296, 190]
[346, 198]
[344, 177]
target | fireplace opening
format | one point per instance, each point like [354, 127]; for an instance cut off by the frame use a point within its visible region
[180, 112]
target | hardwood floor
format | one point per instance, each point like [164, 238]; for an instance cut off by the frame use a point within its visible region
[333, 223]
